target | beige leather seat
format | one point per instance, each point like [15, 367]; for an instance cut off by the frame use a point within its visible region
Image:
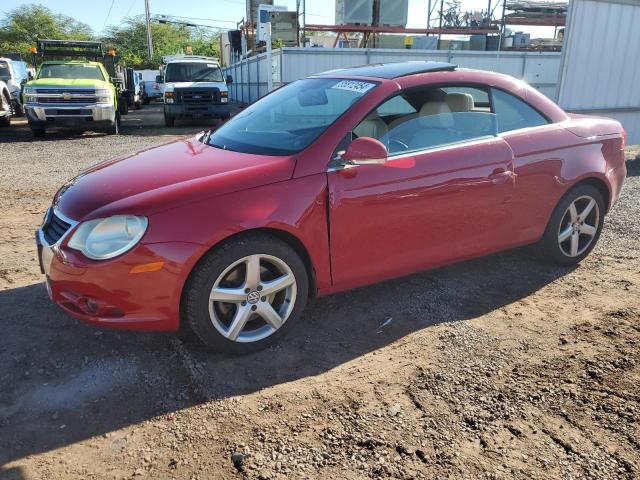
[459, 102]
[432, 107]
[437, 108]
[372, 126]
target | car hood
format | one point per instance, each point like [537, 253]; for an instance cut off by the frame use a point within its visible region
[165, 177]
[68, 82]
[219, 85]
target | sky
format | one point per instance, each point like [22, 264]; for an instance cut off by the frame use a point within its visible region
[99, 14]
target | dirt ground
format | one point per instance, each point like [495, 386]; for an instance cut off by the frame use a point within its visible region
[496, 368]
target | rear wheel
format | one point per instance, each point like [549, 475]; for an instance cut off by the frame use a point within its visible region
[575, 226]
[246, 294]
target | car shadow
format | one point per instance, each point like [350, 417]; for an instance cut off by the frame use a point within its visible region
[66, 381]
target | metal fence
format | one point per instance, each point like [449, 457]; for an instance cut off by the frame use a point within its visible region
[250, 76]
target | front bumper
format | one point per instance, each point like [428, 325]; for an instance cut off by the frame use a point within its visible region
[179, 110]
[107, 293]
[70, 115]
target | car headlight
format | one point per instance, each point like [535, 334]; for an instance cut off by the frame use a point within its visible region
[105, 238]
[103, 96]
[30, 94]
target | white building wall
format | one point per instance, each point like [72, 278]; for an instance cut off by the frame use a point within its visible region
[600, 68]
[291, 64]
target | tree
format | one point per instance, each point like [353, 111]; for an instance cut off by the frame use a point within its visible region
[130, 41]
[24, 25]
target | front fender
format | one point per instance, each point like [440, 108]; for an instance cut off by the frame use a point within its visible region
[297, 207]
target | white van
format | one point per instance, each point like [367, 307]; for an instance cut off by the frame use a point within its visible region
[194, 87]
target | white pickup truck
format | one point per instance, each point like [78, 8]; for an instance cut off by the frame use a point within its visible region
[194, 87]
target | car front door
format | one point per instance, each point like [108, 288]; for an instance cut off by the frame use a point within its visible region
[443, 195]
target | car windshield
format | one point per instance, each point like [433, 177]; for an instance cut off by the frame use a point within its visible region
[71, 71]
[5, 73]
[289, 119]
[193, 72]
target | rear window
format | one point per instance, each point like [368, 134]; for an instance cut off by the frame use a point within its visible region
[5, 73]
[513, 113]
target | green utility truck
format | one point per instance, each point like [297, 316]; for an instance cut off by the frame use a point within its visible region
[77, 85]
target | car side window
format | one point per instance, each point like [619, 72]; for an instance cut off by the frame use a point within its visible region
[513, 113]
[430, 117]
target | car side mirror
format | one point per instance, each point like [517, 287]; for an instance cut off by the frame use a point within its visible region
[29, 76]
[159, 79]
[229, 79]
[366, 151]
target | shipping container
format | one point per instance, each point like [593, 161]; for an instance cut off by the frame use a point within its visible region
[393, 13]
[349, 12]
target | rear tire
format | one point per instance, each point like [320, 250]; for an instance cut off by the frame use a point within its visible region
[146, 101]
[38, 132]
[265, 306]
[574, 227]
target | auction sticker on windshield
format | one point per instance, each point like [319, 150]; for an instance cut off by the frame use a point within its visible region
[354, 86]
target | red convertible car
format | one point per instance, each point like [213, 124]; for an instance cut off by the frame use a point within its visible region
[332, 182]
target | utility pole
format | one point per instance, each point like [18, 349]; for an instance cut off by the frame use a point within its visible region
[148, 22]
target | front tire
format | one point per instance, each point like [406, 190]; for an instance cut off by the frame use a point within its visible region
[114, 129]
[575, 226]
[246, 294]
[5, 106]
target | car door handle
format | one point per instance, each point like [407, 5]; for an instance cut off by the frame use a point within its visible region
[500, 175]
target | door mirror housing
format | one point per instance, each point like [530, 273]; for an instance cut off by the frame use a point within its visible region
[159, 79]
[366, 151]
[229, 79]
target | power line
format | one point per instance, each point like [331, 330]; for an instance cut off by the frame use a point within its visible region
[200, 18]
[133, 2]
[108, 13]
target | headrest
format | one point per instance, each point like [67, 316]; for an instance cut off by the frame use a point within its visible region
[372, 126]
[436, 113]
[434, 107]
[459, 102]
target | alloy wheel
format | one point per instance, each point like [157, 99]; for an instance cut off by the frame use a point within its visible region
[252, 298]
[579, 226]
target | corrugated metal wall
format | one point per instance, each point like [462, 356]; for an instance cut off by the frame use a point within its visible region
[600, 69]
[290, 64]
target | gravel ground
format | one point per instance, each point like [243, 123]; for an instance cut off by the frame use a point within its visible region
[501, 367]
